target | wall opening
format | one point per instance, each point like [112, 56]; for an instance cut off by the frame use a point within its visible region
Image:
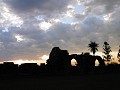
[73, 62]
[97, 63]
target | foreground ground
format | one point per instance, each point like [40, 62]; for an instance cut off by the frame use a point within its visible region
[82, 82]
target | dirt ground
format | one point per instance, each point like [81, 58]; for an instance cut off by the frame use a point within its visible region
[82, 82]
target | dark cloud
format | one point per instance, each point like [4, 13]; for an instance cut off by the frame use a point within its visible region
[32, 7]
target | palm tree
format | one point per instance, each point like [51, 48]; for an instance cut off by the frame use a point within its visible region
[93, 47]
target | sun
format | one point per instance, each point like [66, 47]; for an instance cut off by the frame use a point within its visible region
[11, 18]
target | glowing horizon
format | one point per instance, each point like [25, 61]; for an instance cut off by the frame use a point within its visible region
[73, 61]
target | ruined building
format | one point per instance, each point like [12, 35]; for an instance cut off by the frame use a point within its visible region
[60, 61]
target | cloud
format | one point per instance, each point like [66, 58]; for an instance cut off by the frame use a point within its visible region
[74, 38]
[102, 6]
[32, 7]
[98, 21]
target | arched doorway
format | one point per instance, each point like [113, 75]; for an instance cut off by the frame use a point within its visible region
[73, 62]
[97, 63]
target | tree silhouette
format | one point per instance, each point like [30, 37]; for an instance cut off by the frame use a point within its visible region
[118, 55]
[107, 50]
[93, 47]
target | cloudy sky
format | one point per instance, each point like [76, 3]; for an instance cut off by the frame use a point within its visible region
[29, 29]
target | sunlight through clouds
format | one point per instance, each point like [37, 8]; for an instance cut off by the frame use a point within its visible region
[106, 17]
[12, 19]
[70, 7]
[45, 25]
[19, 38]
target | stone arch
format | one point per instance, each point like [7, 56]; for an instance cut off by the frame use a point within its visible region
[86, 62]
[100, 60]
[72, 57]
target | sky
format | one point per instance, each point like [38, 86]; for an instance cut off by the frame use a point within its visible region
[29, 29]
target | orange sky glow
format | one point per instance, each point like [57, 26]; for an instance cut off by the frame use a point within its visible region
[45, 57]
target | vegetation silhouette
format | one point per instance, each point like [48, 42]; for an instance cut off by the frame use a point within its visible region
[107, 50]
[118, 55]
[93, 47]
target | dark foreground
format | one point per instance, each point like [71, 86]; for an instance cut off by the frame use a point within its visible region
[75, 82]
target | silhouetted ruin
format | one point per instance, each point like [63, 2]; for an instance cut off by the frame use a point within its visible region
[59, 62]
